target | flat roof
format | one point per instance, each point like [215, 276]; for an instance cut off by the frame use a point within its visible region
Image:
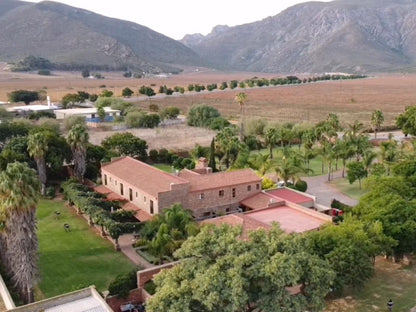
[290, 220]
[32, 108]
[84, 300]
[87, 110]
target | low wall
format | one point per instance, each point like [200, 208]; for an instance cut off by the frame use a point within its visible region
[5, 295]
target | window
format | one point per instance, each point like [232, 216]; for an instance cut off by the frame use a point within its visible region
[137, 195]
[257, 186]
[233, 192]
[105, 179]
[115, 182]
[201, 196]
[248, 188]
[144, 199]
[221, 193]
[130, 194]
[121, 189]
[151, 206]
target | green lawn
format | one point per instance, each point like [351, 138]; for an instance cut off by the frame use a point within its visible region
[389, 281]
[75, 259]
[352, 190]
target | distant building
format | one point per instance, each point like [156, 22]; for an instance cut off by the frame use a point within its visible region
[26, 109]
[89, 113]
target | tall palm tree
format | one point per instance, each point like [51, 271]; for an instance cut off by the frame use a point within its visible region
[271, 139]
[286, 169]
[37, 146]
[241, 98]
[78, 141]
[260, 162]
[377, 118]
[19, 193]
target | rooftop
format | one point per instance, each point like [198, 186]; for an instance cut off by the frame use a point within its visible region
[84, 300]
[34, 108]
[149, 179]
[291, 220]
[140, 214]
[218, 180]
[247, 223]
[87, 110]
[290, 195]
[261, 201]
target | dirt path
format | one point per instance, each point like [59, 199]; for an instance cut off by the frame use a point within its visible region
[325, 192]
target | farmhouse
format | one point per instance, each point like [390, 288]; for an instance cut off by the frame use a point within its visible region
[89, 113]
[205, 193]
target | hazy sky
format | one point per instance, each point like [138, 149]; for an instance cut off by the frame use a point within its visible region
[176, 18]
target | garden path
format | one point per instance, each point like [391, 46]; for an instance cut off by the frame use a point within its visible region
[125, 241]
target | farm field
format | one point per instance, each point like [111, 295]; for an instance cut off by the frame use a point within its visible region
[72, 260]
[311, 102]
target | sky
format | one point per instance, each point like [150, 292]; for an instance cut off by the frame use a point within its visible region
[176, 18]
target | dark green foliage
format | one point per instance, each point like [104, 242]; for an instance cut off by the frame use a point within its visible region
[407, 121]
[153, 155]
[127, 92]
[202, 116]
[212, 86]
[301, 186]
[166, 90]
[223, 85]
[123, 283]
[218, 123]
[33, 63]
[93, 97]
[356, 171]
[165, 156]
[24, 96]
[38, 115]
[85, 73]
[137, 119]
[182, 163]
[211, 161]
[106, 93]
[339, 205]
[147, 91]
[406, 168]
[126, 144]
[127, 74]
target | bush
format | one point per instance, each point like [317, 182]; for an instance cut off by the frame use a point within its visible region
[202, 116]
[218, 123]
[50, 192]
[44, 72]
[301, 186]
[153, 155]
[339, 205]
[123, 283]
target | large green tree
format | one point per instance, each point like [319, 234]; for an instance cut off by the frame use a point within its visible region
[221, 272]
[407, 121]
[24, 96]
[377, 119]
[78, 141]
[126, 144]
[19, 192]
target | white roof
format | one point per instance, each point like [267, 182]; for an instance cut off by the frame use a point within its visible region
[85, 111]
[33, 108]
[89, 304]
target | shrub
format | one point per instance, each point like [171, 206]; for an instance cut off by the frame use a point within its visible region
[153, 155]
[202, 116]
[50, 192]
[301, 186]
[123, 283]
[44, 72]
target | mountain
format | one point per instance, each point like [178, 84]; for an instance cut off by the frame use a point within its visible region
[342, 35]
[75, 37]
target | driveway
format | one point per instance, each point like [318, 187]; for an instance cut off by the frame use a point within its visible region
[325, 192]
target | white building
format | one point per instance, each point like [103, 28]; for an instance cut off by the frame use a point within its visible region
[88, 113]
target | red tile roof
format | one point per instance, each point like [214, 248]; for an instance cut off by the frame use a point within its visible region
[200, 182]
[102, 189]
[290, 195]
[291, 220]
[143, 176]
[109, 194]
[261, 201]
[248, 224]
[141, 215]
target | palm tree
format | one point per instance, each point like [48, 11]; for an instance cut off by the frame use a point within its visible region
[377, 118]
[78, 141]
[271, 139]
[260, 162]
[19, 193]
[286, 169]
[227, 144]
[241, 98]
[37, 145]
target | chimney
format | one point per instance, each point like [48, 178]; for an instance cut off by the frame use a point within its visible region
[48, 99]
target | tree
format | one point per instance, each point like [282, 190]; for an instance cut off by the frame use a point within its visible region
[24, 96]
[127, 92]
[69, 99]
[37, 147]
[407, 121]
[126, 144]
[85, 73]
[261, 162]
[106, 93]
[271, 137]
[101, 113]
[356, 171]
[227, 145]
[241, 98]
[202, 116]
[220, 272]
[147, 91]
[287, 168]
[170, 112]
[78, 141]
[19, 192]
[211, 162]
[377, 118]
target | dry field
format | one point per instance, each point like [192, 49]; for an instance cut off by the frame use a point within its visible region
[350, 99]
[176, 138]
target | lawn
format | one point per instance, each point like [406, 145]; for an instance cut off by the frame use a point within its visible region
[390, 281]
[352, 190]
[72, 260]
[164, 167]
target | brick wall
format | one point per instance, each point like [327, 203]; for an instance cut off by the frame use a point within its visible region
[135, 297]
[204, 202]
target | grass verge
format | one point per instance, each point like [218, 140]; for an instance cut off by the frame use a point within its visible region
[351, 190]
[71, 260]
